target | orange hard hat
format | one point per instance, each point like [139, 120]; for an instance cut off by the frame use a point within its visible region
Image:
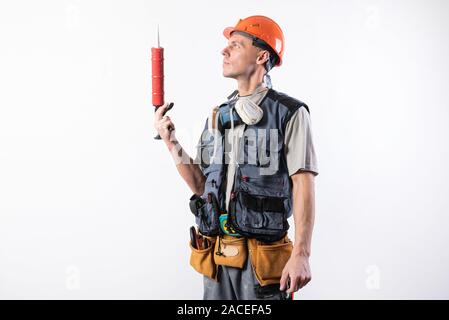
[264, 29]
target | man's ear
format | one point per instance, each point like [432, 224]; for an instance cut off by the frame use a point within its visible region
[264, 57]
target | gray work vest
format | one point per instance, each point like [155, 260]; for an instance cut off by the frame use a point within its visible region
[261, 198]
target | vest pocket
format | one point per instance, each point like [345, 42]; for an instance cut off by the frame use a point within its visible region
[262, 212]
[207, 217]
[269, 185]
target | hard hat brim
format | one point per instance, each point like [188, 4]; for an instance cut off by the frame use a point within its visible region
[227, 32]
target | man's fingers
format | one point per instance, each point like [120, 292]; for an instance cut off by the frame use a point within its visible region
[306, 280]
[293, 285]
[166, 124]
[163, 121]
[302, 282]
[159, 112]
[283, 282]
[162, 109]
[166, 120]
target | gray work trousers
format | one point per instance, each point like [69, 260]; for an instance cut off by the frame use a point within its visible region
[240, 284]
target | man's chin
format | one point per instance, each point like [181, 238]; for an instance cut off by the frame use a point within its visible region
[228, 75]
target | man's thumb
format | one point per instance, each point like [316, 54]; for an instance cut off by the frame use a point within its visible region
[161, 110]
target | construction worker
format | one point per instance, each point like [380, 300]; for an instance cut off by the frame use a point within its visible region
[255, 167]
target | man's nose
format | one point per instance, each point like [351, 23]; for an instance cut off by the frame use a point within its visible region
[225, 51]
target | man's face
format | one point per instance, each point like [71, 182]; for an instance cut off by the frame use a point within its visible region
[239, 57]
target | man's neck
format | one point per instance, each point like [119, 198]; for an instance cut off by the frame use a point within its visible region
[248, 86]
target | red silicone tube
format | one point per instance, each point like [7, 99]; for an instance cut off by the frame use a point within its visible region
[157, 76]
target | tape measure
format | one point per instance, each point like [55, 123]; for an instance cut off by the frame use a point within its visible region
[225, 226]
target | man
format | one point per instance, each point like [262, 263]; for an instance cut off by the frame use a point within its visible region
[251, 199]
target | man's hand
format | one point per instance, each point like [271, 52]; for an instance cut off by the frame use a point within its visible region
[164, 125]
[297, 272]
[297, 269]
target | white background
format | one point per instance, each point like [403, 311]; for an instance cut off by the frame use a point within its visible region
[91, 206]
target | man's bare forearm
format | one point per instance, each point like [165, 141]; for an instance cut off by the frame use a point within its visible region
[189, 171]
[303, 212]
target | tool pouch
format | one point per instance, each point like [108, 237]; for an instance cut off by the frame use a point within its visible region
[231, 251]
[202, 260]
[269, 259]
